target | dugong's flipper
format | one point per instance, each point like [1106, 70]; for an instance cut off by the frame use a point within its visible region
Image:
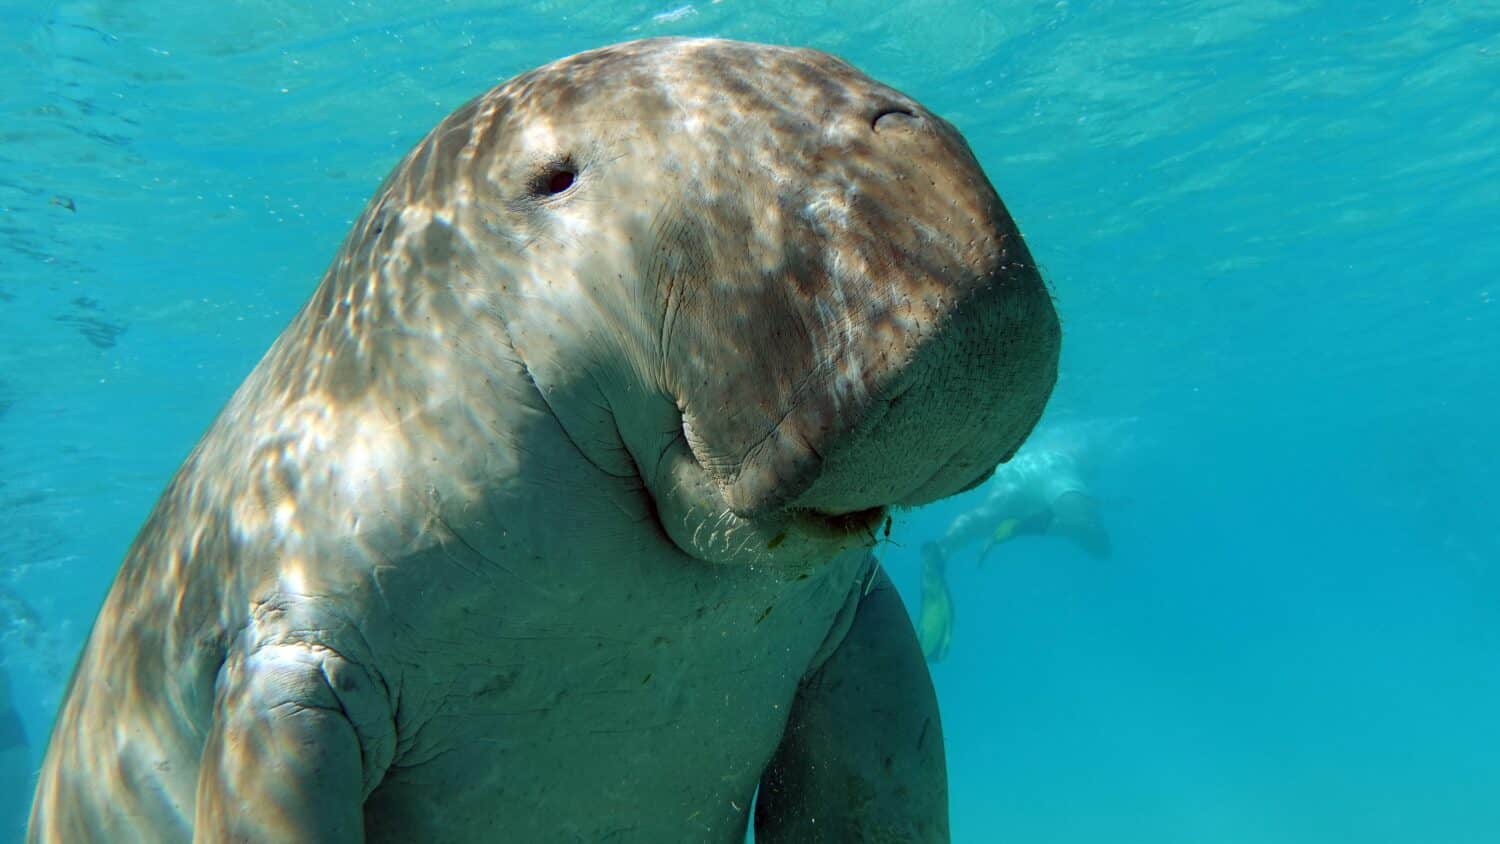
[862, 756]
[289, 757]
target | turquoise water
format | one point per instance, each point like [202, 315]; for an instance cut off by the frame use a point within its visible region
[1272, 232]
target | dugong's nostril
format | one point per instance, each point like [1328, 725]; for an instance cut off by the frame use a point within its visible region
[893, 117]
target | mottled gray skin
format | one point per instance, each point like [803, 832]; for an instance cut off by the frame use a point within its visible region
[549, 518]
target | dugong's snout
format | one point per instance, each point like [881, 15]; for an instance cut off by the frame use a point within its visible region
[961, 347]
[932, 342]
[953, 390]
[960, 401]
[925, 394]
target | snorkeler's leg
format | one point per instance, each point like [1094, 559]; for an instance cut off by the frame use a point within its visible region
[862, 755]
[283, 759]
[1076, 516]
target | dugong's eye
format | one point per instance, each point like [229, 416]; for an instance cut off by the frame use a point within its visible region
[555, 178]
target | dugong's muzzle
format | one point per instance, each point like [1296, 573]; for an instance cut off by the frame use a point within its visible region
[908, 346]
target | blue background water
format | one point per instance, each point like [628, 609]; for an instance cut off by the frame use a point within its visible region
[1272, 229]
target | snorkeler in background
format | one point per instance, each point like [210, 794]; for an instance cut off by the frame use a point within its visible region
[22, 635]
[22, 631]
[16, 767]
[1042, 491]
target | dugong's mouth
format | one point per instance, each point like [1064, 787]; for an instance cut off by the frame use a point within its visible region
[694, 513]
[839, 525]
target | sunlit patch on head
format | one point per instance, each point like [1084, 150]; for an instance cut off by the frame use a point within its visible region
[480, 129]
[293, 579]
[830, 208]
[284, 521]
[538, 138]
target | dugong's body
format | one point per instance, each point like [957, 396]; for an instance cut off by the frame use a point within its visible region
[548, 519]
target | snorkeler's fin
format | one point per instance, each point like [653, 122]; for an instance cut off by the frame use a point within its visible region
[935, 620]
[1003, 532]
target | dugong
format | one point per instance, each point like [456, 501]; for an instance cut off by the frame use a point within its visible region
[549, 518]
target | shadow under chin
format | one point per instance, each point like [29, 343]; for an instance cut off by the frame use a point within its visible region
[862, 522]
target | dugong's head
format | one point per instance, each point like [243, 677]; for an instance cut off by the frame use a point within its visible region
[779, 294]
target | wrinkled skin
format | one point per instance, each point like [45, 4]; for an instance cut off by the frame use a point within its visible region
[548, 519]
